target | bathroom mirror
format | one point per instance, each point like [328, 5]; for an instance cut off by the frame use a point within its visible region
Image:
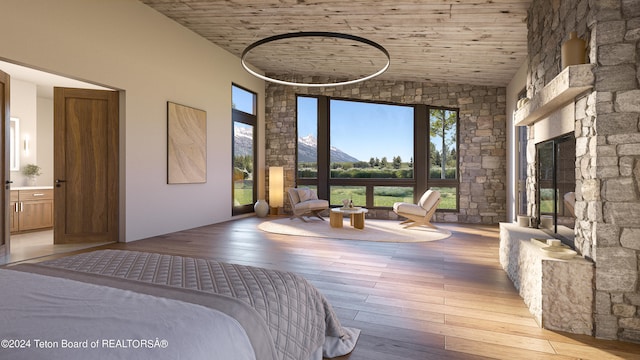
[14, 144]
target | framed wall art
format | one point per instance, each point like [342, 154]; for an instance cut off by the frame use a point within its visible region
[187, 144]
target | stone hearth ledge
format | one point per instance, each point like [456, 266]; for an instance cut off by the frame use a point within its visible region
[559, 293]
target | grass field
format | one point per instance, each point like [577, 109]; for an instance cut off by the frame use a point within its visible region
[242, 192]
[546, 201]
[384, 196]
[447, 198]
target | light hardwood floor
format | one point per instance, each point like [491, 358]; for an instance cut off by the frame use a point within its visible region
[447, 299]
[32, 245]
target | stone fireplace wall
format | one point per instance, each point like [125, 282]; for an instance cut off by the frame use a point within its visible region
[482, 147]
[549, 23]
[607, 146]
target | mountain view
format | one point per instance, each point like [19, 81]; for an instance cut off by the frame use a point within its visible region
[243, 141]
[307, 149]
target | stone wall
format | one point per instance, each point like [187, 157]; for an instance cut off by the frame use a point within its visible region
[607, 146]
[482, 137]
[549, 23]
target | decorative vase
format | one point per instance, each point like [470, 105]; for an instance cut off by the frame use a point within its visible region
[31, 181]
[573, 51]
[524, 221]
[261, 208]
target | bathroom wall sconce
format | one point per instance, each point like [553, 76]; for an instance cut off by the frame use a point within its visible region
[14, 143]
[27, 139]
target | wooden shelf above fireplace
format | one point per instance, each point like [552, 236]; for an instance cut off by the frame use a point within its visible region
[564, 88]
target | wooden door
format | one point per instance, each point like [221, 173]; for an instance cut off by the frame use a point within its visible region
[85, 165]
[4, 168]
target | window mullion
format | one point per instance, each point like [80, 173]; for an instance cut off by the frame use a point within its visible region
[421, 149]
[323, 147]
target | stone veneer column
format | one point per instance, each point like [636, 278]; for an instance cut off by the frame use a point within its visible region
[607, 146]
[615, 40]
[481, 148]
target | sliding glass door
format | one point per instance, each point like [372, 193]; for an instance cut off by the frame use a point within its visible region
[556, 183]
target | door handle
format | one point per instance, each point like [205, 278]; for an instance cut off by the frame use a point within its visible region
[8, 184]
[58, 182]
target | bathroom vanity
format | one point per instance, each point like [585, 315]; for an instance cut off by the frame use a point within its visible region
[31, 208]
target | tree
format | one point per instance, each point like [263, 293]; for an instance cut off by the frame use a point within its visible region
[372, 162]
[451, 162]
[434, 155]
[397, 162]
[243, 162]
[384, 162]
[437, 158]
[441, 122]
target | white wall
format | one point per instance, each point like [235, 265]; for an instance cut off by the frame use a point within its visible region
[126, 45]
[516, 84]
[24, 107]
[45, 140]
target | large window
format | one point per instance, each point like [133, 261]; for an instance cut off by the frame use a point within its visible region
[522, 200]
[370, 145]
[376, 154]
[245, 121]
[443, 156]
[307, 137]
[522, 134]
[370, 140]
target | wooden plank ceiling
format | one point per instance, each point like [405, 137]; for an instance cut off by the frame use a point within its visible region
[481, 42]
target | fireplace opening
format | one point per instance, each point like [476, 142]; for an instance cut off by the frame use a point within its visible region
[556, 184]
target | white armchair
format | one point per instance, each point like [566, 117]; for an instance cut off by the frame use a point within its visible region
[305, 202]
[420, 213]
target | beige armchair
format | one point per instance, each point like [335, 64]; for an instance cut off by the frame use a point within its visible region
[305, 202]
[420, 213]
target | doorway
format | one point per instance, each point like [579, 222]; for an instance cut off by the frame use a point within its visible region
[32, 107]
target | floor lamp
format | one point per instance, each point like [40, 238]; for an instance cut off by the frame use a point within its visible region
[276, 189]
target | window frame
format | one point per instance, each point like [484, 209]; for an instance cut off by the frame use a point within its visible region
[420, 181]
[251, 120]
[322, 139]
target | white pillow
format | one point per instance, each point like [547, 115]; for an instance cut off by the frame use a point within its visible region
[306, 194]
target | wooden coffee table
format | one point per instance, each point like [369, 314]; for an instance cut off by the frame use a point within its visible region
[356, 214]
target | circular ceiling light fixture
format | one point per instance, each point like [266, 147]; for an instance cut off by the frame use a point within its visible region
[323, 34]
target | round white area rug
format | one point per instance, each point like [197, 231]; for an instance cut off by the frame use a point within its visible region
[374, 230]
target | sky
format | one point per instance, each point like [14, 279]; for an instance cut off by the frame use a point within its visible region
[360, 129]
[243, 100]
[363, 130]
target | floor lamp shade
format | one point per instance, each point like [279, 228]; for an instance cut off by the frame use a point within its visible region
[276, 186]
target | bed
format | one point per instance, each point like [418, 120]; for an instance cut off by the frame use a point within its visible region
[116, 304]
